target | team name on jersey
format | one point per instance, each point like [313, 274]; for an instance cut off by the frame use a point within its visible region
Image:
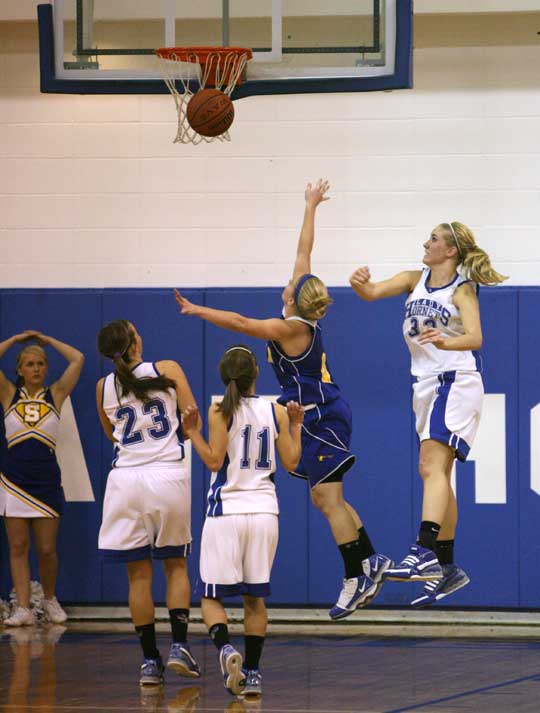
[424, 307]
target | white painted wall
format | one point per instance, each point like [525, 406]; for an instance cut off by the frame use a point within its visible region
[93, 192]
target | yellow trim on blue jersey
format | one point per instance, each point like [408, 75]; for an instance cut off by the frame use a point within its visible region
[325, 374]
[27, 433]
[28, 499]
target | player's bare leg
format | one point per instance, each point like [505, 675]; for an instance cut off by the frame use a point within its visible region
[178, 592]
[141, 604]
[449, 523]
[328, 498]
[435, 461]
[355, 516]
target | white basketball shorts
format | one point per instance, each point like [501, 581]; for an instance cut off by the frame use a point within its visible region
[237, 553]
[146, 513]
[448, 408]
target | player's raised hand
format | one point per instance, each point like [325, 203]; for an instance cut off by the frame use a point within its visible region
[190, 419]
[40, 338]
[360, 276]
[316, 192]
[295, 412]
[432, 336]
[186, 307]
[27, 335]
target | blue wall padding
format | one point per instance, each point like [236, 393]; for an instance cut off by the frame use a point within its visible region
[496, 544]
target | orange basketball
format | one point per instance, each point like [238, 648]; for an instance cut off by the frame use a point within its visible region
[210, 112]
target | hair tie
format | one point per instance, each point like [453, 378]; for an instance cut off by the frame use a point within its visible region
[117, 355]
[300, 284]
[458, 246]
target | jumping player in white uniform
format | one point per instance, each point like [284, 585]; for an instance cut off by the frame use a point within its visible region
[147, 503]
[240, 532]
[443, 332]
[31, 495]
[299, 361]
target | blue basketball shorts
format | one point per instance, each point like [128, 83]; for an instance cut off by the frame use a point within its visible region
[326, 437]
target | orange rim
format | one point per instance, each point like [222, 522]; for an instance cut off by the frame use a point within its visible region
[200, 54]
[210, 59]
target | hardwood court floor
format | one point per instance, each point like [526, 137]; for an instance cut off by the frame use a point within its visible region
[50, 669]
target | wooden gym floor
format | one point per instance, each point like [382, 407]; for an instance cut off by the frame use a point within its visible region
[51, 668]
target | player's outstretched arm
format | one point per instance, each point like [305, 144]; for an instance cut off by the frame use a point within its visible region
[212, 453]
[268, 329]
[402, 283]
[314, 194]
[289, 441]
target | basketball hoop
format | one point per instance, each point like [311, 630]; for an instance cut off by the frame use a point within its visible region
[217, 67]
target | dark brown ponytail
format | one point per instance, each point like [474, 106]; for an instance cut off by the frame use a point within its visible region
[114, 341]
[238, 371]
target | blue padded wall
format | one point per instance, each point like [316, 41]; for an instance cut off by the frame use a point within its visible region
[528, 507]
[496, 543]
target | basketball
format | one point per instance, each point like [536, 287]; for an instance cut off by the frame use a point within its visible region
[210, 112]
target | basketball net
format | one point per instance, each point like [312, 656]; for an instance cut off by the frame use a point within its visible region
[215, 67]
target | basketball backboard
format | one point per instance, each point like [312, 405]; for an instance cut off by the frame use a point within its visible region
[107, 46]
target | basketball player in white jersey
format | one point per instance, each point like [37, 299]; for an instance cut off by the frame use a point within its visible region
[147, 503]
[443, 332]
[240, 533]
[31, 495]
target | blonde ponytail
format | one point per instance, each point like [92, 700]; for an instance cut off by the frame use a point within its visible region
[476, 262]
[311, 297]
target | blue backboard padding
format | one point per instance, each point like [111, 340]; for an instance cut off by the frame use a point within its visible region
[497, 544]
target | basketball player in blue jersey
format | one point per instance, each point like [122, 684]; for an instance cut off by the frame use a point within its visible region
[240, 533]
[443, 332]
[31, 495]
[147, 503]
[298, 357]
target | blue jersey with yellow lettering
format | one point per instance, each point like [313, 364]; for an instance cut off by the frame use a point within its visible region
[304, 378]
